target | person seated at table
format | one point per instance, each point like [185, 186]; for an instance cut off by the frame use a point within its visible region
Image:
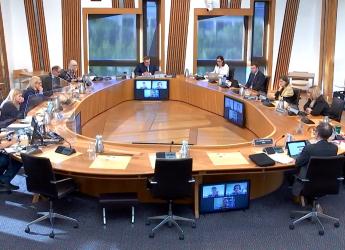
[256, 80]
[33, 94]
[10, 108]
[8, 167]
[221, 67]
[316, 104]
[322, 148]
[52, 80]
[145, 68]
[70, 75]
[285, 91]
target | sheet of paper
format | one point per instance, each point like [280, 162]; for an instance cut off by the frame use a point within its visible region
[152, 158]
[222, 159]
[57, 158]
[110, 162]
[281, 158]
[18, 126]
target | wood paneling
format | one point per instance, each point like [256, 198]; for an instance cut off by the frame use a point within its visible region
[71, 31]
[128, 3]
[177, 41]
[327, 46]
[37, 34]
[270, 39]
[235, 4]
[4, 75]
[286, 40]
[224, 4]
[116, 4]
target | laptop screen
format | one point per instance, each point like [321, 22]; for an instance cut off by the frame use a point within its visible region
[295, 147]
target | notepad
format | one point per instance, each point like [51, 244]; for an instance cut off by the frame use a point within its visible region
[222, 159]
[111, 162]
[57, 158]
[281, 158]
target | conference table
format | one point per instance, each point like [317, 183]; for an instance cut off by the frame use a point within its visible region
[135, 160]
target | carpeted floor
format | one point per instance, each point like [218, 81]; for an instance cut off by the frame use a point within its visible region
[263, 226]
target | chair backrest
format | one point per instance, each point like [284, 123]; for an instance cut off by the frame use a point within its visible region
[172, 177]
[297, 95]
[323, 173]
[231, 74]
[336, 109]
[267, 82]
[39, 174]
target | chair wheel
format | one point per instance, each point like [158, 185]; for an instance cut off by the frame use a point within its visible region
[193, 225]
[337, 224]
[152, 235]
[147, 223]
[181, 237]
[51, 235]
[27, 230]
[321, 232]
[292, 226]
[76, 225]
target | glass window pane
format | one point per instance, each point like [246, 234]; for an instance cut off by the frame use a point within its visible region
[222, 35]
[151, 29]
[111, 70]
[112, 37]
[259, 29]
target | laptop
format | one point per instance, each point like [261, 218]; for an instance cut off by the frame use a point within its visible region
[212, 77]
[295, 148]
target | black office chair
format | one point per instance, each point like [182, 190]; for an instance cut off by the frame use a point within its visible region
[323, 177]
[231, 74]
[336, 110]
[297, 96]
[40, 179]
[172, 180]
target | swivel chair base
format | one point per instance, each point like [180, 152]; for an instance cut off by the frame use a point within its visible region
[51, 216]
[171, 220]
[314, 215]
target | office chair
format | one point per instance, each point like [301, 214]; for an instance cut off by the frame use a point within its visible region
[297, 95]
[172, 180]
[40, 179]
[336, 109]
[267, 82]
[231, 74]
[323, 177]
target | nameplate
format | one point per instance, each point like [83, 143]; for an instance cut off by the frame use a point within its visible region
[262, 141]
[283, 111]
[249, 97]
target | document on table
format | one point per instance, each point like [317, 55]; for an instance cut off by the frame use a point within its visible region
[111, 162]
[232, 158]
[281, 158]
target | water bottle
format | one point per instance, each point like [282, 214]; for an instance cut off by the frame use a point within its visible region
[99, 147]
[280, 104]
[186, 73]
[326, 119]
[242, 91]
[82, 88]
[184, 149]
[220, 79]
[288, 138]
[133, 75]
[46, 118]
[224, 80]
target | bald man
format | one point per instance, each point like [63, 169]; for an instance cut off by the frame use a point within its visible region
[70, 74]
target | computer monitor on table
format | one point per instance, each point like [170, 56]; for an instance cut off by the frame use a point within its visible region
[151, 89]
[234, 111]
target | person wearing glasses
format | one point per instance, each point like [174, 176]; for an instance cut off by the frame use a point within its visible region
[221, 68]
[33, 95]
[70, 75]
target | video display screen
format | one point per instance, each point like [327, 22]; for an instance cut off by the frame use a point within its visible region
[234, 111]
[151, 90]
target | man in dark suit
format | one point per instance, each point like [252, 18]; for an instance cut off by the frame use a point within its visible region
[145, 68]
[51, 81]
[321, 148]
[256, 80]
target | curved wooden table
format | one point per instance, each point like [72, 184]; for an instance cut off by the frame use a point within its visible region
[261, 120]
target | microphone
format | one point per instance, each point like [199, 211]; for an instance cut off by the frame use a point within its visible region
[65, 150]
[275, 144]
[172, 143]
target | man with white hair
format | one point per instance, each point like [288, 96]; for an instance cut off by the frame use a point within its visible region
[70, 74]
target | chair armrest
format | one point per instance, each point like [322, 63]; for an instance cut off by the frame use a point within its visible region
[340, 178]
[62, 180]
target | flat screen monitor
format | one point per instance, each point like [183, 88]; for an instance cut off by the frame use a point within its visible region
[234, 111]
[151, 89]
[225, 196]
[78, 123]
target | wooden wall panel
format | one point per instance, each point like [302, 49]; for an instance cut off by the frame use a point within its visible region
[224, 4]
[177, 41]
[116, 4]
[128, 4]
[4, 74]
[37, 35]
[286, 40]
[71, 31]
[235, 4]
[327, 46]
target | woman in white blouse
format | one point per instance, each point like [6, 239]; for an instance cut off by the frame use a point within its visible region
[221, 68]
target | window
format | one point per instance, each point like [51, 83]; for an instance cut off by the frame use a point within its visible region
[259, 32]
[113, 43]
[222, 35]
[151, 30]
